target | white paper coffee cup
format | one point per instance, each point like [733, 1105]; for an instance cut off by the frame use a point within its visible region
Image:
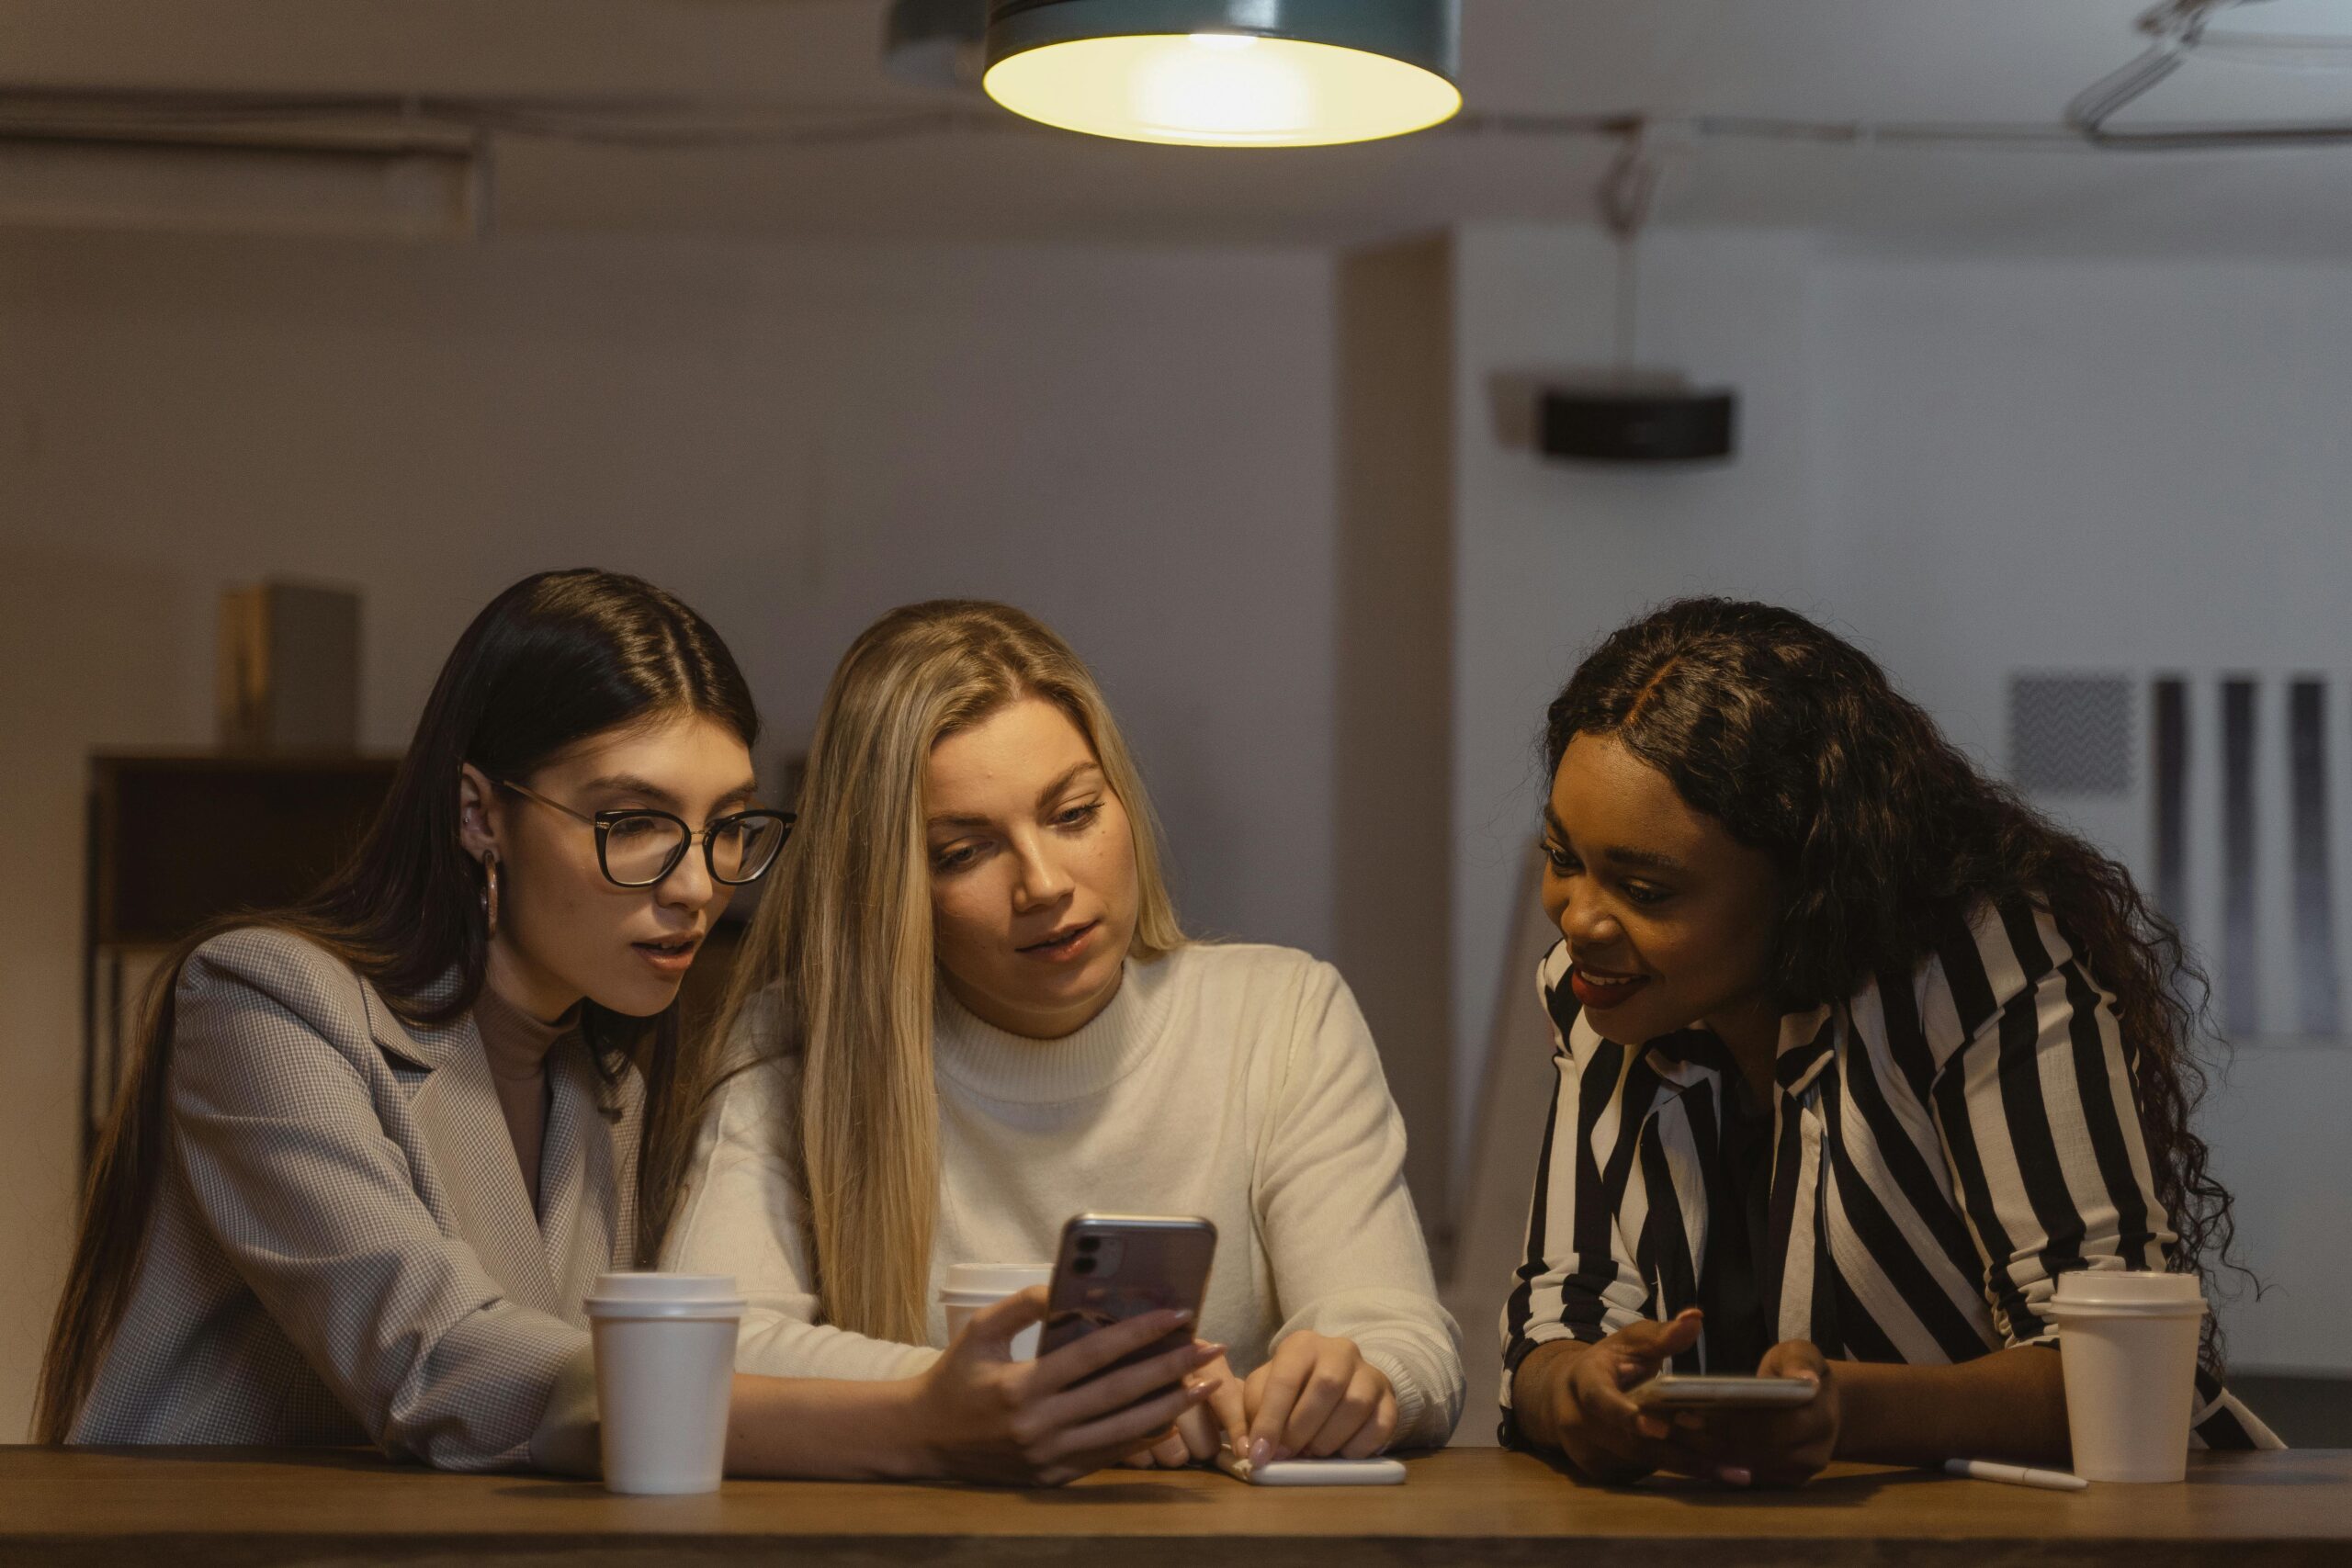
[665, 1370]
[970, 1288]
[2127, 1342]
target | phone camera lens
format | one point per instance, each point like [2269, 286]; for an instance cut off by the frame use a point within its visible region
[1084, 1266]
[1090, 1243]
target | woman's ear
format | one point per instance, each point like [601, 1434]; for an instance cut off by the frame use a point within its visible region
[478, 812]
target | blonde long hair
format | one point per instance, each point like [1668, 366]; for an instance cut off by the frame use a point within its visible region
[842, 948]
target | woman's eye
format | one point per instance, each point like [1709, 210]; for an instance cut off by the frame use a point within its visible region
[955, 859]
[1079, 816]
[1562, 862]
[628, 828]
[1644, 893]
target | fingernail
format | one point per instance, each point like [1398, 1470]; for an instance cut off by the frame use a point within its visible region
[1733, 1475]
[1260, 1451]
[1207, 1351]
[1197, 1392]
[1177, 1315]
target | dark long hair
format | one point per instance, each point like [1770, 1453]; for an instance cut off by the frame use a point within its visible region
[1883, 833]
[551, 662]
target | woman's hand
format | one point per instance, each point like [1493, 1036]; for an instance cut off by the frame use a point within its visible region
[1221, 1421]
[1582, 1406]
[1317, 1397]
[1767, 1448]
[982, 1416]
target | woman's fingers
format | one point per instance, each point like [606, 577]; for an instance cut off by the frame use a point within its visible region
[1175, 1450]
[1200, 1428]
[1644, 1349]
[1601, 1393]
[1633, 1355]
[1322, 1396]
[1074, 1364]
[1794, 1359]
[1275, 1391]
[1227, 1410]
[1116, 1391]
[1096, 1444]
[1610, 1419]
[995, 1325]
[1355, 1409]
[1375, 1434]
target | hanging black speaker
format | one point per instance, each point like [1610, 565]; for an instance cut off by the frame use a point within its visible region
[1666, 424]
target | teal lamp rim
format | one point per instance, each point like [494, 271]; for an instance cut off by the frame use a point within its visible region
[1424, 33]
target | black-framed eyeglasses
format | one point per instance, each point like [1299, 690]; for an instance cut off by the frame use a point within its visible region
[638, 847]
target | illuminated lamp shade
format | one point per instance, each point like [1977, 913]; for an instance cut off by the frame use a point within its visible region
[1228, 73]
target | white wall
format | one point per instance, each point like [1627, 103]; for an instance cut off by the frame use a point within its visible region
[1549, 557]
[1974, 467]
[1392, 870]
[2135, 467]
[1135, 445]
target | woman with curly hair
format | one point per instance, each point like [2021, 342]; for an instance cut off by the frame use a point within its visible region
[1858, 1054]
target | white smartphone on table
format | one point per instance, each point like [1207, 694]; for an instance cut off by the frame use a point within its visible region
[1318, 1471]
[1671, 1391]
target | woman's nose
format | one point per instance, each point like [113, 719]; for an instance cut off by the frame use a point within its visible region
[1042, 879]
[1585, 919]
[689, 883]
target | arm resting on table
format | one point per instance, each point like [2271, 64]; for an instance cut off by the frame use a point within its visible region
[2009, 1404]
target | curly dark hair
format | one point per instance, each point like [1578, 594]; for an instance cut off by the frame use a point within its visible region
[1883, 834]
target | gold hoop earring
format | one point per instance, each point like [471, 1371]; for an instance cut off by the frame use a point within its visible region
[490, 890]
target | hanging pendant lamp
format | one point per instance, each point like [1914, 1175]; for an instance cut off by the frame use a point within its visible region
[1228, 73]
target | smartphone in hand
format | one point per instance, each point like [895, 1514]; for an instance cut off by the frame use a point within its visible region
[1669, 1391]
[1114, 1266]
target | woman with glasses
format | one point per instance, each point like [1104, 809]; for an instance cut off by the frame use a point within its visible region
[966, 1012]
[374, 1149]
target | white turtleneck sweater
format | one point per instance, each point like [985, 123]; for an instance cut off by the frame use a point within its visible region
[1235, 1082]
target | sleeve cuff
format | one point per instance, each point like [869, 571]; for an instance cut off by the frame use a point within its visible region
[1507, 1434]
[568, 1439]
[1412, 1403]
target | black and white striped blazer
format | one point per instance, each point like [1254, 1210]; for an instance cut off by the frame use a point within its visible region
[1944, 1148]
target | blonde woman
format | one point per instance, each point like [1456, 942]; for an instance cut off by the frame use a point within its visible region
[967, 1011]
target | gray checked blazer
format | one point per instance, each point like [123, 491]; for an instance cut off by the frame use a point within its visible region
[341, 1248]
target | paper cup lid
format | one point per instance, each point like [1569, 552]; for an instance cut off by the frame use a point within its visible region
[993, 1278]
[2135, 1291]
[648, 1289]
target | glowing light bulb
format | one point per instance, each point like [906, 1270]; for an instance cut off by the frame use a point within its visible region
[1221, 94]
[1376, 68]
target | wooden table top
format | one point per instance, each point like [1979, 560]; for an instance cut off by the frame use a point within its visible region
[193, 1508]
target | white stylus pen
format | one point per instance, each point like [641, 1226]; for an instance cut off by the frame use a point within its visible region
[2015, 1474]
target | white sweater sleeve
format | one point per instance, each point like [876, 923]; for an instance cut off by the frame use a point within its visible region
[1345, 1246]
[742, 1215]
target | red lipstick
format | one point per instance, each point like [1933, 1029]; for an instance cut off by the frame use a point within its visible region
[1600, 995]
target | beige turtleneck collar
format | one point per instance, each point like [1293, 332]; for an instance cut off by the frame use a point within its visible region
[516, 1045]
